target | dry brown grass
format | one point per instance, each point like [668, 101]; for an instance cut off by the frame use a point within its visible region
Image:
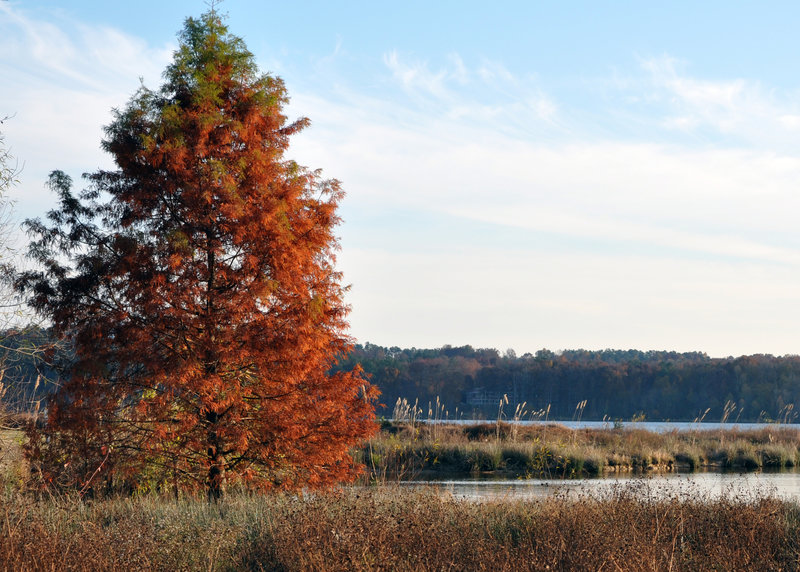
[395, 529]
[634, 527]
[12, 465]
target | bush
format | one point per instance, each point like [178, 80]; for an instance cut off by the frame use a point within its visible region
[515, 459]
[746, 459]
[593, 466]
[776, 456]
[483, 459]
[688, 458]
[453, 459]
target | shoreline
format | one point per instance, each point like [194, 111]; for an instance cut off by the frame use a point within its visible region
[401, 451]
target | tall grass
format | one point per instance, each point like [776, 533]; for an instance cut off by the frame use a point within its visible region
[408, 450]
[12, 466]
[396, 529]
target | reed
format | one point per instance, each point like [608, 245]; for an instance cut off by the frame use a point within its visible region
[634, 527]
[403, 450]
[387, 528]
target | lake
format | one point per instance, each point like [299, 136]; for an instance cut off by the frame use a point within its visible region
[655, 426]
[785, 484]
[701, 485]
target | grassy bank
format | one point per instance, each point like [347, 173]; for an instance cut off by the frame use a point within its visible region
[403, 451]
[386, 529]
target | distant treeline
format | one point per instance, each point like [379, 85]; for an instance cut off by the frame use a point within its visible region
[614, 384]
[468, 382]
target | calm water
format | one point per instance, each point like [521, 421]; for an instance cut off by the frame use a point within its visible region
[784, 484]
[692, 485]
[655, 426]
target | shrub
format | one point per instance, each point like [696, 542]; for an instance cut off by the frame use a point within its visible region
[689, 458]
[483, 459]
[776, 456]
[515, 459]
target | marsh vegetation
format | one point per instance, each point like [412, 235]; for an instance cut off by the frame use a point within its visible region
[404, 451]
[379, 529]
[389, 528]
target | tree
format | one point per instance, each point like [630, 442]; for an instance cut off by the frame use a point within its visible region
[12, 353]
[197, 284]
[7, 174]
[9, 170]
[24, 344]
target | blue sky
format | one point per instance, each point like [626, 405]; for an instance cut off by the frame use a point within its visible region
[519, 175]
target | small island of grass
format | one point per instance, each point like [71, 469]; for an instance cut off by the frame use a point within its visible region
[403, 450]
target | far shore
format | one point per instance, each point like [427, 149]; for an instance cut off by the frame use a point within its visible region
[406, 451]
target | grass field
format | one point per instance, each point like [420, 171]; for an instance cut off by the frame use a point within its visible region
[384, 527]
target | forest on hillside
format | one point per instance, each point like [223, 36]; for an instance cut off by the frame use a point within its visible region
[469, 382]
[607, 384]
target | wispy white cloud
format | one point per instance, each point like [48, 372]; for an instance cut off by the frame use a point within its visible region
[417, 78]
[629, 237]
[737, 107]
[459, 72]
[635, 243]
[486, 92]
[490, 72]
[61, 79]
[727, 202]
[64, 52]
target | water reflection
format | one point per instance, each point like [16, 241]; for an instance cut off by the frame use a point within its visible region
[693, 485]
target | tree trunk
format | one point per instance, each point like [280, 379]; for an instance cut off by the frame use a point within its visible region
[216, 470]
[216, 481]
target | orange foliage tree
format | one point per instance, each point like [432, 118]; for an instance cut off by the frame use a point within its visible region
[197, 284]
